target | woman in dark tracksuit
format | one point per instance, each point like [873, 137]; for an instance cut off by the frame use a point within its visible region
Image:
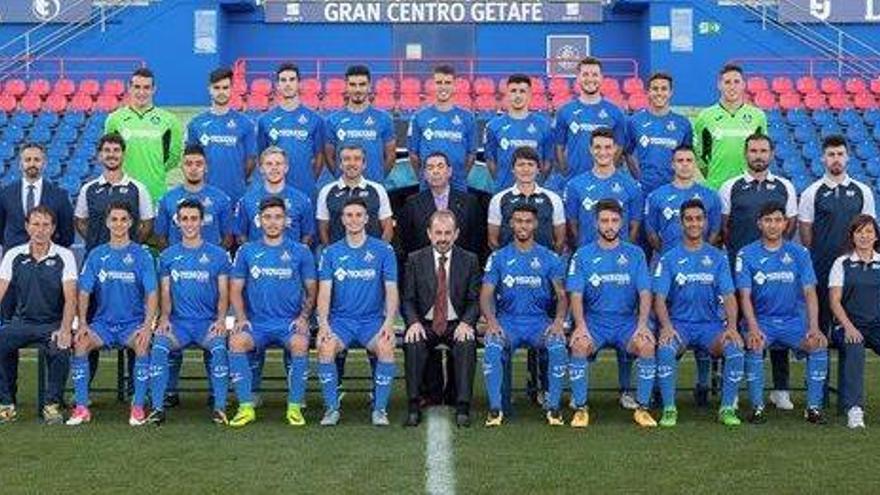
[854, 298]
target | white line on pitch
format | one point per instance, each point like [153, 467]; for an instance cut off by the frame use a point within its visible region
[439, 466]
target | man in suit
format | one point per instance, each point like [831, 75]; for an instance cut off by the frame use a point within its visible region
[23, 195]
[441, 278]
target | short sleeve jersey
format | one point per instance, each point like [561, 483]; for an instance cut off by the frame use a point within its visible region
[118, 280]
[775, 278]
[523, 280]
[300, 133]
[663, 212]
[693, 283]
[229, 140]
[358, 275]
[504, 134]
[573, 126]
[452, 132]
[193, 276]
[217, 221]
[583, 192]
[371, 129]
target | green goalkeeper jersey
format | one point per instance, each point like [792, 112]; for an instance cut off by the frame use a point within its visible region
[719, 140]
[153, 145]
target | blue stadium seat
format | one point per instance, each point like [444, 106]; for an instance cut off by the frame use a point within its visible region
[40, 135]
[785, 149]
[797, 116]
[22, 119]
[872, 116]
[794, 166]
[778, 134]
[829, 129]
[4, 118]
[823, 117]
[876, 133]
[7, 151]
[13, 134]
[856, 133]
[53, 168]
[812, 150]
[774, 116]
[65, 134]
[71, 184]
[48, 119]
[849, 117]
[866, 149]
[801, 182]
[804, 133]
[58, 150]
[817, 168]
[75, 119]
[872, 166]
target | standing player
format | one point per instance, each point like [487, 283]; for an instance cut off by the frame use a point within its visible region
[690, 281]
[518, 127]
[227, 137]
[577, 119]
[361, 124]
[720, 130]
[610, 291]
[296, 129]
[663, 206]
[777, 293]
[520, 283]
[273, 294]
[742, 198]
[357, 304]
[826, 209]
[153, 136]
[216, 206]
[653, 134]
[193, 280]
[550, 226]
[299, 225]
[121, 279]
[446, 128]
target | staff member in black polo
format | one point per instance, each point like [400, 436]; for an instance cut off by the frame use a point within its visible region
[42, 276]
[440, 304]
[854, 292]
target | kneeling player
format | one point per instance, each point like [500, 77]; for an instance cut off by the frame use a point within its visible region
[120, 278]
[777, 286]
[519, 287]
[357, 303]
[272, 294]
[610, 303]
[689, 281]
[193, 282]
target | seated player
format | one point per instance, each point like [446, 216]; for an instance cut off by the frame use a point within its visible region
[519, 286]
[689, 281]
[193, 280]
[119, 277]
[272, 292]
[777, 293]
[609, 285]
[357, 304]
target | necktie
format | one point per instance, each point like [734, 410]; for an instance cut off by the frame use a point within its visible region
[441, 299]
[29, 200]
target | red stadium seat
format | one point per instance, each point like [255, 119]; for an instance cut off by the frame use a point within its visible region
[875, 86]
[618, 99]
[839, 101]
[609, 87]
[64, 87]
[409, 101]
[236, 101]
[261, 86]
[538, 102]
[412, 86]
[790, 101]
[781, 85]
[633, 85]
[559, 86]
[40, 87]
[55, 103]
[485, 103]
[638, 101]
[386, 85]
[463, 100]
[757, 84]
[831, 85]
[864, 101]
[7, 103]
[765, 100]
[258, 102]
[806, 85]
[855, 85]
[484, 86]
[429, 87]
[334, 86]
[31, 103]
[15, 88]
[82, 102]
[333, 101]
[239, 87]
[114, 87]
[815, 101]
[310, 86]
[462, 86]
[557, 100]
[89, 87]
[311, 100]
[106, 103]
[538, 85]
[385, 101]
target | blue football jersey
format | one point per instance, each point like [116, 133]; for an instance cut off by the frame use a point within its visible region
[371, 129]
[359, 276]
[652, 138]
[523, 280]
[663, 215]
[298, 208]
[193, 274]
[300, 133]
[274, 278]
[453, 132]
[504, 134]
[584, 191]
[574, 123]
[229, 140]
[776, 278]
[693, 283]
[119, 279]
[217, 221]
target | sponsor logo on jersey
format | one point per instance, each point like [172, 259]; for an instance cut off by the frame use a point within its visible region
[516, 143]
[430, 134]
[695, 278]
[664, 142]
[341, 274]
[609, 278]
[529, 281]
[298, 134]
[283, 273]
[201, 276]
[224, 140]
[116, 275]
[785, 277]
[368, 134]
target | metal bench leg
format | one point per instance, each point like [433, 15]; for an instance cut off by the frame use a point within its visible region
[121, 385]
[41, 380]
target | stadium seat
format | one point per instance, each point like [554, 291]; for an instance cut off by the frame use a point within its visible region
[333, 101]
[618, 99]
[484, 86]
[610, 87]
[106, 103]
[875, 86]
[811, 150]
[7, 102]
[261, 86]
[559, 86]
[409, 102]
[822, 117]
[790, 101]
[487, 103]
[765, 100]
[633, 85]
[463, 100]
[872, 116]
[55, 103]
[412, 86]
[638, 101]
[781, 85]
[310, 86]
[462, 86]
[15, 88]
[757, 84]
[386, 85]
[865, 101]
[39, 87]
[90, 87]
[839, 101]
[538, 85]
[40, 135]
[239, 86]
[558, 100]
[804, 133]
[114, 87]
[14, 131]
[830, 85]
[385, 101]
[829, 130]
[257, 101]
[82, 102]
[335, 86]
[806, 85]
[538, 103]
[30, 103]
[47, 119]
[872, 167]
[856, 133]
[311, 100]
[815, 101]
[855, 85]
[64, 87]
[849, 117]
[236, 101]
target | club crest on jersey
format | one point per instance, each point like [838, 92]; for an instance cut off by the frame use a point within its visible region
[204, 259]
[535, 263]
[622, 260]
[50, 262]
[230, 124]
[850, 193]
[456, 120]
[155, 120]
[670, 126]
[128, 260]
[616, 187]
[875, 266]
[531, 129]
[302, 120]
[786, 259]
[369, 256]
[285, 256]
[771, 187]
[123, 190]
[706, 261]
[603, 114]
[747, 118]
[207, 202]
[369, 121]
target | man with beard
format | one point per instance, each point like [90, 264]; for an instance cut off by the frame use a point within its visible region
[227, 137]
[296, 129]
[742, 198]
[446, 128]
[827, 207]
[518, 127]
[361, 124]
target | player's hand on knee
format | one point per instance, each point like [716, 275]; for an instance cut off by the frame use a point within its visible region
[83, 335]
[555, 329]
[668, 335]
[142, 337]
[163, 327]
[62, 338]
[494, 330]
[852, 335]
[218, 328]
[815, 339]
[240, 325]
[387, 332]
[464, 332]
[755, 340]
[415, 333]
[301, 325]
[643, 336]
[581, 341]
[732, 335]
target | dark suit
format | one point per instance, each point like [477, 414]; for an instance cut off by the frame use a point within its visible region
[417, 298]
[12, 215]
[412, 223]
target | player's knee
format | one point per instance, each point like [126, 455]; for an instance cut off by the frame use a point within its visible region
[240, 342]
[141, 349]
[299, 345]
[580, 349]
[385, 351]
[645, 350]
[327, 350]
